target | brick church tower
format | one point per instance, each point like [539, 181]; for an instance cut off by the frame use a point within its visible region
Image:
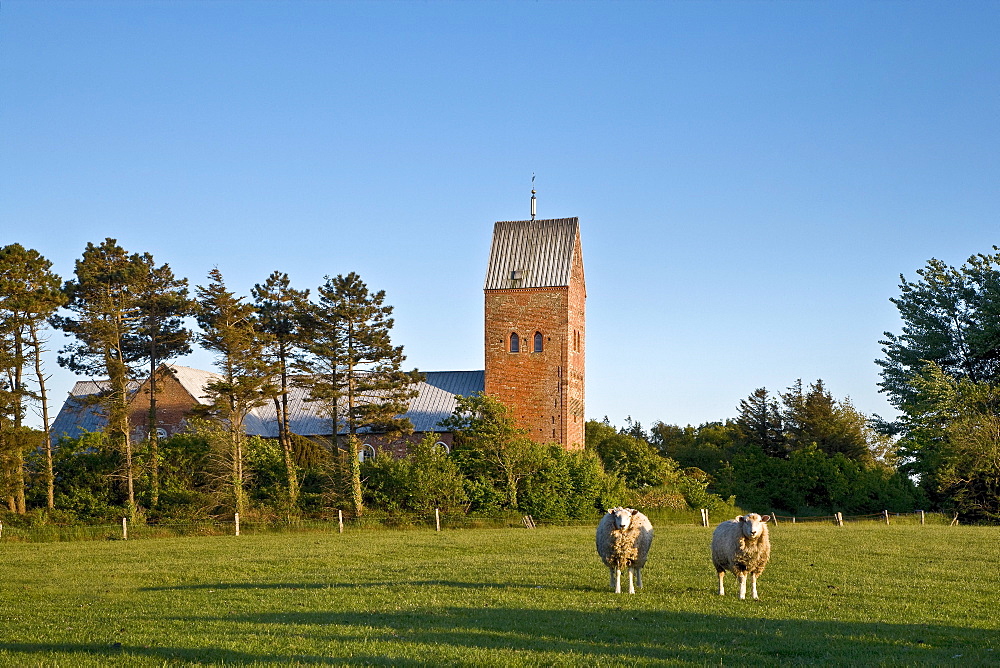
[535, 323]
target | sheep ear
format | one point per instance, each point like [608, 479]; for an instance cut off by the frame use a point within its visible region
[766, 518]
[741, 519]
[634, 512]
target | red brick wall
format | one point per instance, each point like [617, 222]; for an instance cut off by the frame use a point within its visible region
[172, 405]
[544, 389]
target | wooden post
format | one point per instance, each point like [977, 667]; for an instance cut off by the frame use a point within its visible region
[124, 528]
[340, 521]
[704, 517]
[885, 514]
[1, 529]
[793, 519]
[921, 517]
[954, 520]
[774, 516]
[236, 520]
[840, 519]
[437, 519]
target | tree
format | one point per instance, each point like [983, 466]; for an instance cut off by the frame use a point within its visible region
[106, 301]
[230, 329]
[163, 303]
[29, 294]
[488, 444]
[952, 442]
[760, 423]
[281, 311]
[358, 370]
[630, 457]
[815, 417]
[951, 316]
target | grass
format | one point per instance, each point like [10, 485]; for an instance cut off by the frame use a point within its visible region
[862, 594]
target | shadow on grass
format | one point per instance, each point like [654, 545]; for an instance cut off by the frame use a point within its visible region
[360, 585]
[561, 636]
[118, 653]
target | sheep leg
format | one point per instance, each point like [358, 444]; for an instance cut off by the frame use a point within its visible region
[722, 588]
[638, 578]
[753, 582]
[616, 580]
[631, 582]
[741, 577]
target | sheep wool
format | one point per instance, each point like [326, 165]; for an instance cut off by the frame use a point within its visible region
[623, 539]
[743, 547]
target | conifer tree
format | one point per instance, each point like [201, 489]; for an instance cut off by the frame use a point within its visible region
[161, 336]
[280, 311]
[29, 294]
[230, 329]
[360, 378]
[105, 299]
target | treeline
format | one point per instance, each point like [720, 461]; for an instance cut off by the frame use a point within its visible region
[126, 315]
[798, 451]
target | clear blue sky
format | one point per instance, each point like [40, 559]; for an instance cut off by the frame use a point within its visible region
[751, 177]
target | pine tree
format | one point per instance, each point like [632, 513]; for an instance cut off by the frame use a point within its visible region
[106, 301]
[161, 336]
[361, 381]
[29, 294]
[230, 329]
[280, 311]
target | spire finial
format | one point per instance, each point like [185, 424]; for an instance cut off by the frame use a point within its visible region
[532, 195]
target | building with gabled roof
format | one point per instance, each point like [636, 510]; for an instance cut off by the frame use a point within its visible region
[535, 316]
[180, 389]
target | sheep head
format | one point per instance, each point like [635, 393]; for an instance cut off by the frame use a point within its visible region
[622, 517]
[753, 525]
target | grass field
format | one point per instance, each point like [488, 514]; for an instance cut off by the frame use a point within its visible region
[862, 594]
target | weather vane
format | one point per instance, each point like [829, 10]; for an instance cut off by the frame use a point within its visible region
[532, 195]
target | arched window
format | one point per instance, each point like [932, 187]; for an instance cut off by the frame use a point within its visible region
[538, 342]
[515, 343]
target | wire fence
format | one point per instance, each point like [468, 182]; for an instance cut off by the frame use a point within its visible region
[438, 520]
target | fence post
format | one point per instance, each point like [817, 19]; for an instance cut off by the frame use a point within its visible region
[774, 516]
[437, 519]
[1, 529]
[885, 514]
[954, 520]
[124, 528]
[236, 520]
[340, 521]
[704, 517]
[840, 519]
[921, 517]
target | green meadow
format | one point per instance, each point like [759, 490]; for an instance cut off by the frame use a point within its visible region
[861, 594]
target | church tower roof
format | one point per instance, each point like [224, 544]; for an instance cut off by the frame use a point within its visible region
[532, 253]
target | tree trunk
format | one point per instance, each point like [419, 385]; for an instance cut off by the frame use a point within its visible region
[153, 435]
[50, 477]
[353, 449]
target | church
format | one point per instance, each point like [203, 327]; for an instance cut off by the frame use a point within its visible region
[535, 343]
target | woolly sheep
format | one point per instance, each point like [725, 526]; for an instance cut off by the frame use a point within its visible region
[623, 539]
[743, 547]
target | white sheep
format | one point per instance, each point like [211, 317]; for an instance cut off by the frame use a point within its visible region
[623, 539]
[743, 547]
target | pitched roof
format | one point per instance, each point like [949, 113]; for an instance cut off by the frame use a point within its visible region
[532, 253]
[434, 402]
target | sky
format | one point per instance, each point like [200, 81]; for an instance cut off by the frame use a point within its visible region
[751, 178]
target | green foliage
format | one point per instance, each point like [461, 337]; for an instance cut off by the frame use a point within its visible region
[571, 485]
[952, 442]
[810, 480]
[951, 316]
[425, 479]
[631, 458]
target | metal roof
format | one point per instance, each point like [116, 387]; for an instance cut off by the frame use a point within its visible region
[532, 253]
[434, 402]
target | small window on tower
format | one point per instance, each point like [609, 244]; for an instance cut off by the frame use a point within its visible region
[515, 343]
[538, 342]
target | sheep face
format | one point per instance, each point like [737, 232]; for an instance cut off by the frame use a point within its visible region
[753, 525]
[622, 517]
